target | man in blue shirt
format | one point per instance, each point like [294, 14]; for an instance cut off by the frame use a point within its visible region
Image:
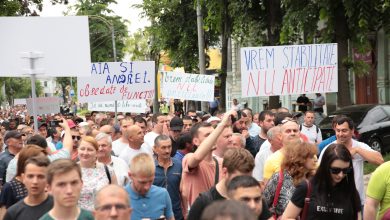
[168, 172]
[148, 201]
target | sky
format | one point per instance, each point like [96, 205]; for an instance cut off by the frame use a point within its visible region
[123, 9]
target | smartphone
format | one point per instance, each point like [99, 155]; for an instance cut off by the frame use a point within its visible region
[54, 123]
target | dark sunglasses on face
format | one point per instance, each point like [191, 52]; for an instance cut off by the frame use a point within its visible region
[76, 137]
[336, 170]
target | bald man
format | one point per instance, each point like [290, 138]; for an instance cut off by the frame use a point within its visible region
[135, 138]
[108, 129]
[112, 202]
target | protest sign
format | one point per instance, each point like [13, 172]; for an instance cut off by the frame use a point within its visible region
[188, 86]
[133, 106]
[290, 69]
[44, 105]
[20, 102]
[61, 42]
[117, 81]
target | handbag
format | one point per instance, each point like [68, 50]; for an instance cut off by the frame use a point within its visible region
[277, 193]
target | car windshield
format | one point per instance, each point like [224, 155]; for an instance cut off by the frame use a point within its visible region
[355, 116]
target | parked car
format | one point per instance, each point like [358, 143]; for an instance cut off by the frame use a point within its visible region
[372, 124]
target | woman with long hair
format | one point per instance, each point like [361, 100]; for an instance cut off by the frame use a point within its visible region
[298, 164]
[331, 193]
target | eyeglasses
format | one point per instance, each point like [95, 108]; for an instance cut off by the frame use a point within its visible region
[76, 137]
[108, 207]
[336, 170]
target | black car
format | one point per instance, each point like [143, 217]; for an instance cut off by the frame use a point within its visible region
[372, 124]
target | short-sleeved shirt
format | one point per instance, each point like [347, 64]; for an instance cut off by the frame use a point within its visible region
[153, 205]
[272, 164]
[121, 170]
[261, 157]
[197, 180]
[22, 211]
[358, 163]
[5, 158]
[129, 153]
[84, 215]
[202, 201]
[170, 180]
[336, 207]
[12, 192]
[379, 188]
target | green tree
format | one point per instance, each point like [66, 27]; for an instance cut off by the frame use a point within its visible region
[137, 45]
[19, 88]
[100, 23]
[24, 7]
[174, 31]
[345, 23]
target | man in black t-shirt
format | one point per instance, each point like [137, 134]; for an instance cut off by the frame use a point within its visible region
[236, 161]
[302, 102]
[37, 202]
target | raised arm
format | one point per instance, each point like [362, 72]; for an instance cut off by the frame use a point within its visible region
[208, 144]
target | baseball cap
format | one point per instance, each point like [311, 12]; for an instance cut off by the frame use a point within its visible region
[41, 123]
[176, 124]
[71, 123]
[12, 134]
[213, 118]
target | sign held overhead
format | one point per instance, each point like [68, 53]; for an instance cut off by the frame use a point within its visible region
[289, 69]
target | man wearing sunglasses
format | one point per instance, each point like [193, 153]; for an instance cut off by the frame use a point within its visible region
[344, 128]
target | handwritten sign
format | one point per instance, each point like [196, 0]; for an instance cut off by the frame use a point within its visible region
[188, 86]
[133, 106]
[44, 105]
[20, 101]
[117, 81]
[290, 69]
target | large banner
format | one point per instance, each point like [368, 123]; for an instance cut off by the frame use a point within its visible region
[290, 69]
[133, 106]
[188, 86]
[117, 81]
[44, 105]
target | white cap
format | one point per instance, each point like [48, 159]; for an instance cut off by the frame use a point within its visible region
[84, 123]
[213, 118]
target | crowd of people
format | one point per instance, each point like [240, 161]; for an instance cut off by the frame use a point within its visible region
[227, 165]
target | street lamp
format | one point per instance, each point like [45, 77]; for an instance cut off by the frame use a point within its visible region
[111, 27]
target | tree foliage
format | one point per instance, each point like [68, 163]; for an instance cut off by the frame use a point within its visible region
[137, 45]
[101, 22]
[19, 88]
[24, 7]
[174, 30]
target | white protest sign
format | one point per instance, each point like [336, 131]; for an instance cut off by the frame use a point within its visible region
[63, 43]
[188, 86]
[133, 106]
[45, 105]
[289, 69]
[20, 101]
[117, 81]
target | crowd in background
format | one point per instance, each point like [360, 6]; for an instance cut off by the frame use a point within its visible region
[185, 165]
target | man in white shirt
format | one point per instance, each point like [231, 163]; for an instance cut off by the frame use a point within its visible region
[308, 128]
[122, 142]
[135, 137]
[160, 124]
[360, 151]
[104, 156]
[275, 140]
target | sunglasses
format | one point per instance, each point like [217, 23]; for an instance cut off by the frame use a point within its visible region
[336, 170]
[76, 137]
